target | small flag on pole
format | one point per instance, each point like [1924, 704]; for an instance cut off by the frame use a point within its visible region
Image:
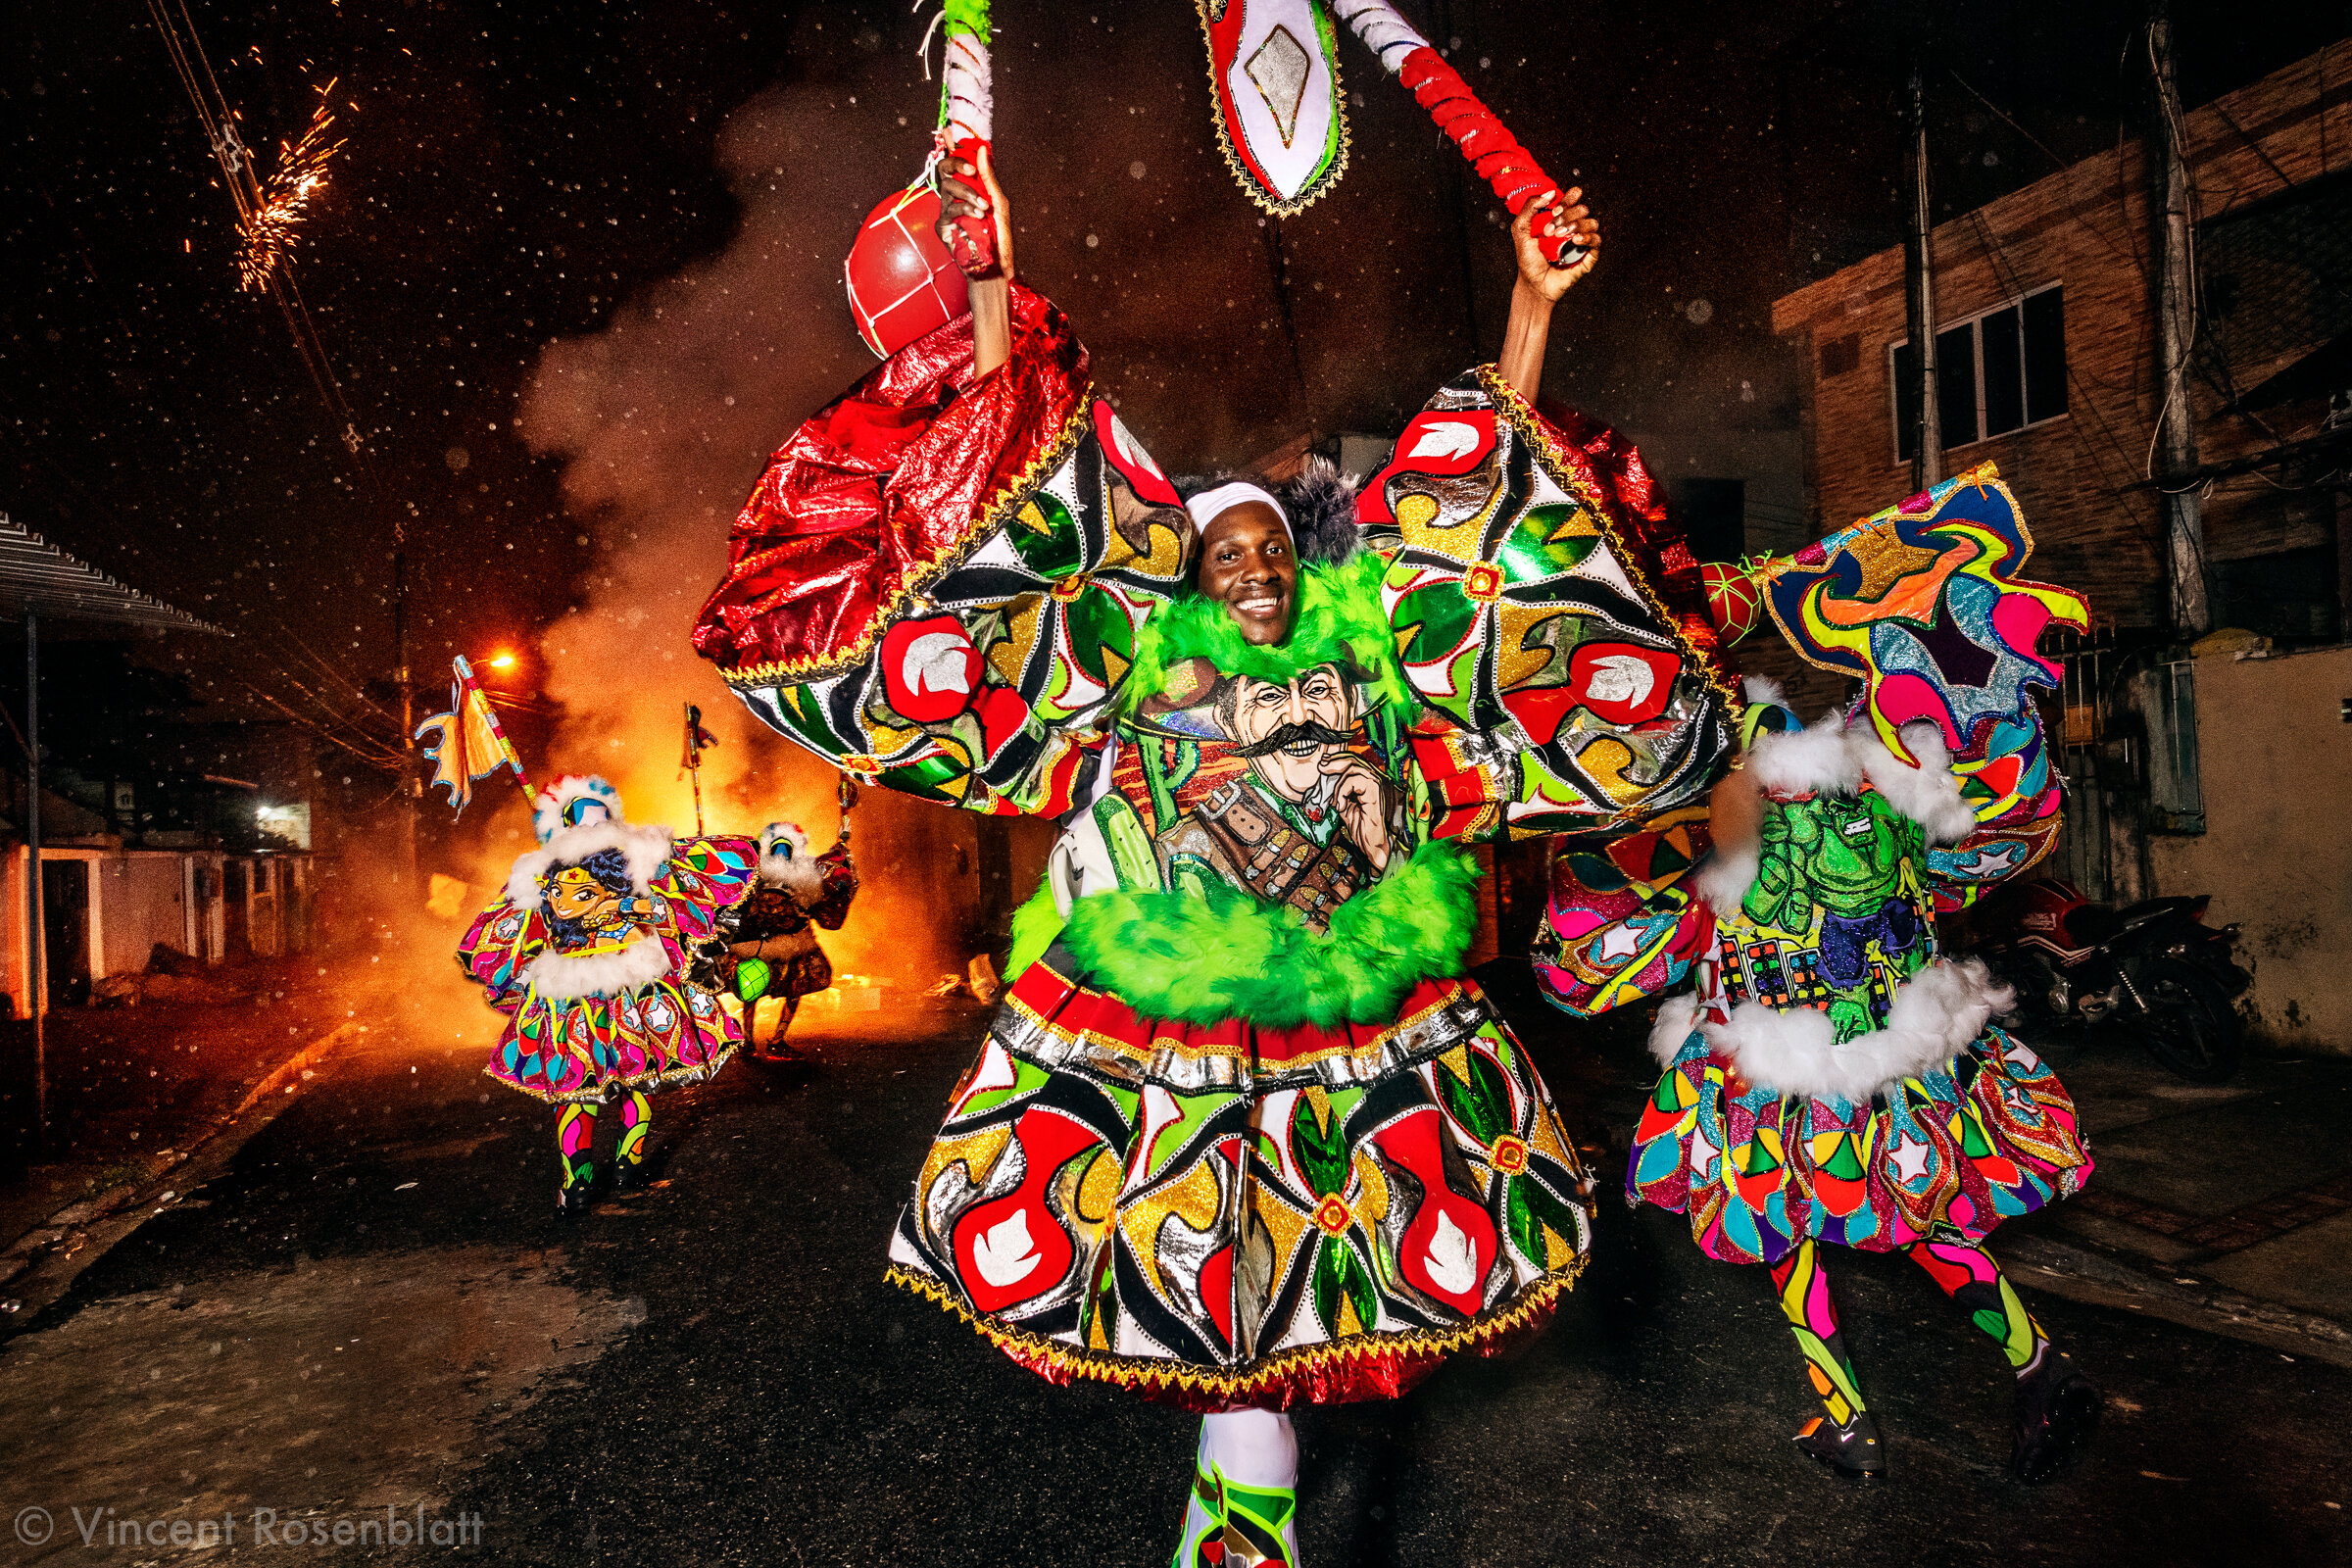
[690, 761]
[468, 742]
[698, 738]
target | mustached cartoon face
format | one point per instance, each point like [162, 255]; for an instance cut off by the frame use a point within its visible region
[1314, 703]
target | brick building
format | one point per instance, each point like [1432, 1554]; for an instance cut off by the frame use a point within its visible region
[2047, 342]
[2046, 348]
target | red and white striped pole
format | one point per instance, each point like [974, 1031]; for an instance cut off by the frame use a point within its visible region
[1510, 169]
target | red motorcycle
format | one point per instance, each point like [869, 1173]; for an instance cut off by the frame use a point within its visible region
[2154, 970]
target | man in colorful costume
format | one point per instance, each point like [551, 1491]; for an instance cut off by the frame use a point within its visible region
[586, 952]
[771, 960]
[1831, 1078]
[1243, 1135]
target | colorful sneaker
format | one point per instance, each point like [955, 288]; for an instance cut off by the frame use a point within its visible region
[1228, 1524]
[1852, 1451]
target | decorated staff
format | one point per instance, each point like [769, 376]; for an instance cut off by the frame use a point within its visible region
[690, 761]
[901, 283]
[468, 743]
[1281, 120]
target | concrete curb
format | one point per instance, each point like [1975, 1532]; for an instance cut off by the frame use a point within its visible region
[288, 1073]
[2082, 1272]
[69, 1229]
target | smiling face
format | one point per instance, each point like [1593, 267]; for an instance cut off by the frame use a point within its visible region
[1248, 565]
[577, 897]
[1316, 701]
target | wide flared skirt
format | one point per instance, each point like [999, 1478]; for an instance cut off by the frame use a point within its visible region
[583, 1050]
[1991, 1135]
[1218, 1216]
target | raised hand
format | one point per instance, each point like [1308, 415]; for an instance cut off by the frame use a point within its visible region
[1558, 215]
[968, 190]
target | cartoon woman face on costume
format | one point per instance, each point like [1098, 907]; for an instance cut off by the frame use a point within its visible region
[578, 897]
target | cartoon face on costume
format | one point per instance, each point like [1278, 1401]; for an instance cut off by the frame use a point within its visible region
[1843, 857]
[1290, 731]
[576, 897]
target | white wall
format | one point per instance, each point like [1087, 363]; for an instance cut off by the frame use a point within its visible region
[142, 901]
[2275, 763]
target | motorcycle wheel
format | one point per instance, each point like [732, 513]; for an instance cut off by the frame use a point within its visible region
[2189, 1025]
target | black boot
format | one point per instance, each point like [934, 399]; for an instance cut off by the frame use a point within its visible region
[2057, 1415]
[572, 1199]
[1852, 1451]
[629, 1177]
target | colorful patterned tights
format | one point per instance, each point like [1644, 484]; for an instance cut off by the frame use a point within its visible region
[1967, 1274]
[575, 1138]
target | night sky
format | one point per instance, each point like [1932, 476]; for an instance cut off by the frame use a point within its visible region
[620, 227]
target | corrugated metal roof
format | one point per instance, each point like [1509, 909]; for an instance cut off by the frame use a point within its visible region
[36, 575]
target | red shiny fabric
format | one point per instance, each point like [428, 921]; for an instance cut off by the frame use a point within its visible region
[871, 495]
[1637, 505]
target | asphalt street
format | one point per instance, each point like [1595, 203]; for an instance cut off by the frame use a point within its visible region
[375, 1306]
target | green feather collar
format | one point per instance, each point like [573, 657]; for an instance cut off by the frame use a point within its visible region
[1227, 956]
[1340, 619]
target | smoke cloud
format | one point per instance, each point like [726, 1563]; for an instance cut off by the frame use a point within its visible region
[663, 420]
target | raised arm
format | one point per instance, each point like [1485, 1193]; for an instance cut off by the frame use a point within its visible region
[968, 189]
[1539, 285]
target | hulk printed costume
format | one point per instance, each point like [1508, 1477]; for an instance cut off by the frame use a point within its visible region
[1830, 875]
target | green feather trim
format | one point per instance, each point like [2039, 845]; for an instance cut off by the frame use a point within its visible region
[1226, 956]
[1339, 618]
[1035, 925]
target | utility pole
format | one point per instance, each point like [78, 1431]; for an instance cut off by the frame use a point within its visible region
[36, 917]
[410, 783]
[2191, 613]
[1919, 296]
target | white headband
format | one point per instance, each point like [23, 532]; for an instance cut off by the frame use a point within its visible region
[1206, 507]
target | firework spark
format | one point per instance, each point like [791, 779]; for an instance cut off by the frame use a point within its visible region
[269, 225]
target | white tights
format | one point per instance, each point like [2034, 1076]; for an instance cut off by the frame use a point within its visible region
[1256, 1447]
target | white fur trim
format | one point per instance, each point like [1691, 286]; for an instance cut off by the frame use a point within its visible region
[645, 848]
[560, 976]
[1763, 689]
[1677, 1017]
[1937, 1013]
[549, 805]
[1929, 794]
[1726, 878]
[1828, 759]
[798, 874]
[1813, 761]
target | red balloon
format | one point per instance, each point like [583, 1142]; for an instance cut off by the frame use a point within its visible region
[903, 283]
[1735, 600]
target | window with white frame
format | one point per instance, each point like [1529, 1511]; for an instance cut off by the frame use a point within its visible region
[1995, 372]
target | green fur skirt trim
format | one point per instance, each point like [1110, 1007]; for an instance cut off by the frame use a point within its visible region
[1227, 956]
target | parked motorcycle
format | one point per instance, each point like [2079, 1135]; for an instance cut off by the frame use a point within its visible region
[2154, 970]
